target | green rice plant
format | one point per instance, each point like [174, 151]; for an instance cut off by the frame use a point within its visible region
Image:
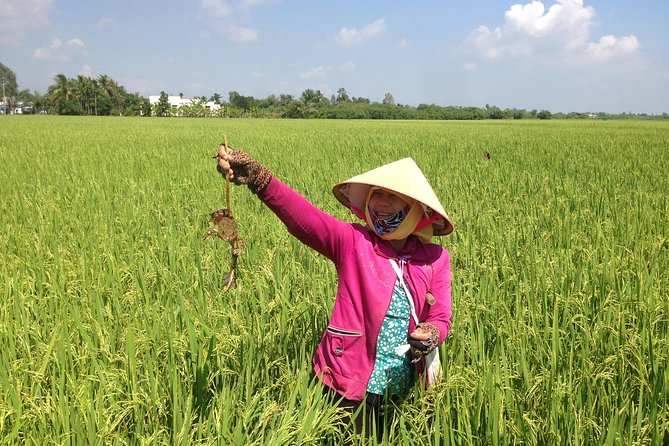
[114, 328]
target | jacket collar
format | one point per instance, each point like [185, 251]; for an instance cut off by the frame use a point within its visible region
[411, 249]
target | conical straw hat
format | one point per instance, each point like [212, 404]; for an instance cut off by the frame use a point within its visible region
[403, 176]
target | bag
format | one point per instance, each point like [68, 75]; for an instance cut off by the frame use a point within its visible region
[433, 370]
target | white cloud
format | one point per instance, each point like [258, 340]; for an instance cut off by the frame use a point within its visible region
[349, 37]
[564, 16]
[403, 43]
[560, 34]
[347, 67]
[61, 52]
[243, 35]
[609, 47]
[315, 73]
[216, 8]
[24, 14]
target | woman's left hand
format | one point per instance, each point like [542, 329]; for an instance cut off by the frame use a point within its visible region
[428, 335]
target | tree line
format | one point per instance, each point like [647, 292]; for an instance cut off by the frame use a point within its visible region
[313, 104]
[103, 96]
[82, 95]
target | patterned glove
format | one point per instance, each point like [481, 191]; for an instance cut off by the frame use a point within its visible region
[427, 345]
[248, 171]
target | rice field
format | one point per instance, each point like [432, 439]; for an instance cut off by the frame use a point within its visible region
[115, 330]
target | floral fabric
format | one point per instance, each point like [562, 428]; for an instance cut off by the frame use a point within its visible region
[392, 374]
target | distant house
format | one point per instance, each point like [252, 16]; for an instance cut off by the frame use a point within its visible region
[211, 105]
[178, 102]
[16, 109]
[175, 101]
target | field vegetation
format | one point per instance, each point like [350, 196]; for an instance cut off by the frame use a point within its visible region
[114, 328]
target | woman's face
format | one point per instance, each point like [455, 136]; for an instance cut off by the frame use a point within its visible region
[385, 203]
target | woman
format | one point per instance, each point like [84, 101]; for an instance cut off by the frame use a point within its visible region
[393, 303]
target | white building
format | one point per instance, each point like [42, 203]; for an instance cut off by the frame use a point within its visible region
[178, 102]
[18, 109]
[175, 101]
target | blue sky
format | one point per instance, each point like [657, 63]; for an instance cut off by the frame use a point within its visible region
[560, 55]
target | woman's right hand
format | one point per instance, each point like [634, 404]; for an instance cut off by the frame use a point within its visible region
[223, 166]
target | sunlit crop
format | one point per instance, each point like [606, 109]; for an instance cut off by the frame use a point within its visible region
[114, 328]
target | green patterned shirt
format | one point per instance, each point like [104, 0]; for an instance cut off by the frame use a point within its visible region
[393, 374]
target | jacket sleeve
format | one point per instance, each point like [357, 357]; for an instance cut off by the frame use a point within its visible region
[309, 224]
[439, 314]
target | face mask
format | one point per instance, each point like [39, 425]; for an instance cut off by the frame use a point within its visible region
[384, 225]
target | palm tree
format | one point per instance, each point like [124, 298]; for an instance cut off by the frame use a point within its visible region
[111, 93]
[105, 94]
[105, 85]
[58, 93]
[85, 90]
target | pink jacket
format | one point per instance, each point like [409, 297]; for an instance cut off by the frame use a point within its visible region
[345, 356]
